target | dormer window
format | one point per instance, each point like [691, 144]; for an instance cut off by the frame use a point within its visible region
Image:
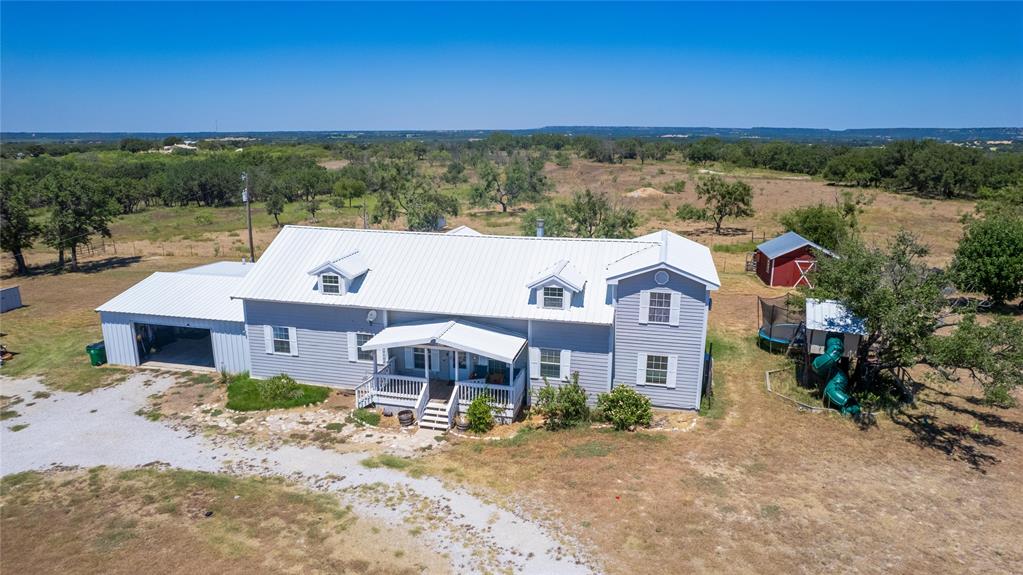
[553, 297]
[330, 284]
[338, 276]
[556, 286]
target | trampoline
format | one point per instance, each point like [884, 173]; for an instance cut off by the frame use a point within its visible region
[780, 324]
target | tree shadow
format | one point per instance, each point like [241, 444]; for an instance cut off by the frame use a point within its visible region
[725, 232]
[955, 441]
[87, 267]
[988, 419]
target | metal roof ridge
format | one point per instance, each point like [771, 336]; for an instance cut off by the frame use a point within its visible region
[479, 237]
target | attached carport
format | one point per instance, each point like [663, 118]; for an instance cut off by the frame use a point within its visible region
[183, 318]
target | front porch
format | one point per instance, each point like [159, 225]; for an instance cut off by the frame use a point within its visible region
[437, 369]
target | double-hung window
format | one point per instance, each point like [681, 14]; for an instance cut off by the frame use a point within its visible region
[657, 369]
[660, 307]
[281, 340]
[419, 358]
[553, 298]
[330, 284]
[360, 339]
[550, 363]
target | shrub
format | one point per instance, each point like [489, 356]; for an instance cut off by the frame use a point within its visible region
[676, 187]
[989, 258]
[278, 388]
[481, 414]
[563, 406]
[367, 416]
[247, 394]
[688, 212]
[625, 408]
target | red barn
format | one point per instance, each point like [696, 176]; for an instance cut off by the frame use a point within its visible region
[786, 260]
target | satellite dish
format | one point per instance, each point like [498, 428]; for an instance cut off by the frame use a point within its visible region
[371, 316]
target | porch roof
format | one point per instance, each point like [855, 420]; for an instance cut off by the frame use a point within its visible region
[456, 334]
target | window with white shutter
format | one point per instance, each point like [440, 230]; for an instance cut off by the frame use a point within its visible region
[550, 363]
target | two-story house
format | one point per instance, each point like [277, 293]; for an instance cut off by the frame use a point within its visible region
[427, 321]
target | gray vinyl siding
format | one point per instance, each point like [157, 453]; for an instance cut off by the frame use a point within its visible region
[230, 348]
[517, 326]
[686, 341]
[10, 298]
[322, 338]
[589, 346]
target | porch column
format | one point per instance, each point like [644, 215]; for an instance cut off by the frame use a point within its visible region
[456, 367]
[426, 364]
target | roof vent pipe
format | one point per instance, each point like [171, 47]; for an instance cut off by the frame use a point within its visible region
[539, 227]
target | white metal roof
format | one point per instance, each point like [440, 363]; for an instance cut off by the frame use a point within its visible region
[350, 265]
[483, 275]
[464, 231]
[459, 335]
[235, 269]
[182, 294]
[787, 242]
[563, 271]
[831, 315]
[668, 250]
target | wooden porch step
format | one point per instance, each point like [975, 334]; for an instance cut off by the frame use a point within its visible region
[434, 421]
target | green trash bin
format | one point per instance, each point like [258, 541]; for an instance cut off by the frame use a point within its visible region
[97, 353]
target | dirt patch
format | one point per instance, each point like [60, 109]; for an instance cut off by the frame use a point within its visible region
[197, 402]
[108, 521]
[333, 164]
[645, 193]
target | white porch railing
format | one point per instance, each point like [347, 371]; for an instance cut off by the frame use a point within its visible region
[507, 398]
[421, 401]
[386, 387]
[452, 405]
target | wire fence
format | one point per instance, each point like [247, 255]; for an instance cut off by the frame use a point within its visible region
[226, 248]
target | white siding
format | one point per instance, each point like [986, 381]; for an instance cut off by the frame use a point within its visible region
[230, 348]
[119, 339]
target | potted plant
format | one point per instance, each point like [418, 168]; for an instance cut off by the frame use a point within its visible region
[461, 424]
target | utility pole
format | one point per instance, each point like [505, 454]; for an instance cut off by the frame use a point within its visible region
[248, 213]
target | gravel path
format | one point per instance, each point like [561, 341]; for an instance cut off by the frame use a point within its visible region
[101, 428]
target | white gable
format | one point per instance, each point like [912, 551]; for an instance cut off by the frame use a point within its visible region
[349, 266]
[564, 272]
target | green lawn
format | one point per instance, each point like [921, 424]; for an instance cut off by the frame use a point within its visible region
[243, 394]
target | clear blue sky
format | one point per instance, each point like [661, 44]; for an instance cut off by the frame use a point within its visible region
[239, 66]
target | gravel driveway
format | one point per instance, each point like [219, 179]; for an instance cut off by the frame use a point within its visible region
[101, 428]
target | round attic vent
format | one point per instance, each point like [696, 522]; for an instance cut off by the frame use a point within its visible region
[661, 277]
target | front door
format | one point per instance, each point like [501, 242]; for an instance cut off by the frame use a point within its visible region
[459, 365]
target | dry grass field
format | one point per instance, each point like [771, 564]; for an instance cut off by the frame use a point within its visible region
[759, 487]
[147, 520]
[755, 487]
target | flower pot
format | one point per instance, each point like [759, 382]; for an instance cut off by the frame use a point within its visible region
[461, 424]
[405, 417]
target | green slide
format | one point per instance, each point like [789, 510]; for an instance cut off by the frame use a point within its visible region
[826, 366]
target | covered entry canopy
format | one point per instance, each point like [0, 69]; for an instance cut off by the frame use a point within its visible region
[455, 334]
